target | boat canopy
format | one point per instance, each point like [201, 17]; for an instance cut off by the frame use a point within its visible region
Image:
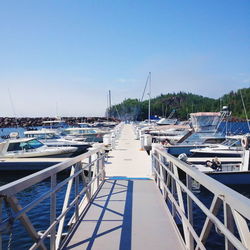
[205, 121]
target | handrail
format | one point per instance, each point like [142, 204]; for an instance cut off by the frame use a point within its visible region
[81, 200]
[237, 200]
[30, 180]
[236, 207]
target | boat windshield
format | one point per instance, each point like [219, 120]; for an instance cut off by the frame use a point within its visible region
[232, 143]
[17, 146]
[201, 138]
[44, 136]
[79, 132]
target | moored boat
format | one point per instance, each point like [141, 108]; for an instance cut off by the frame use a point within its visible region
[51, 138]
[32, 148]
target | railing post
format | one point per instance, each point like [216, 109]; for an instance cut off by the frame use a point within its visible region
[228, 221]
[173, 189]
[157, 168]
[190, 210]
[163, 177]
[53, 212]
[103, 166]
[98, 168]
[77, 168]
[65, 204]
[89, 176]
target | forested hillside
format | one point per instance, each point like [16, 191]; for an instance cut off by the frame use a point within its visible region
[183, 104]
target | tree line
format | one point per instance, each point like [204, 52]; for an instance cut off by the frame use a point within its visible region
[183, 104]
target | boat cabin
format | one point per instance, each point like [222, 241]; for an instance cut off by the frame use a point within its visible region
[15, 145]
[42, 134]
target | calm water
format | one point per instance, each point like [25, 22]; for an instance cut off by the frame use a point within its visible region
[39, 216]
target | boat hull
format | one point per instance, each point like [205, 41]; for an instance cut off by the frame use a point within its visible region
[214, 154]
[28, 164]
[231, 178]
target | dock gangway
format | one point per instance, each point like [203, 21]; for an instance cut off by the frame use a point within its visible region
[126, 200]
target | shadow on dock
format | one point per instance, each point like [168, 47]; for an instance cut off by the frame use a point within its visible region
[112, 208]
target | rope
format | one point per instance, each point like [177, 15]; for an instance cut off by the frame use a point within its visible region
[10, 240]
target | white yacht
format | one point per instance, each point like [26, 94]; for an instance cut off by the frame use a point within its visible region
[205, 126]
[31, 148]
[170, 133]
[226, 171]
[51, 138]
[85, 134]
[231, 147]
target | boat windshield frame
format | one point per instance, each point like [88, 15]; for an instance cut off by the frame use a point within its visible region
[24, 145]
[231, 142]
[43, 136]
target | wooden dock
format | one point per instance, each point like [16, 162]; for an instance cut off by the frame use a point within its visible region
[129, 211]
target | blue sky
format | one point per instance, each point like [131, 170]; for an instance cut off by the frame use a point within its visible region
[62, 57]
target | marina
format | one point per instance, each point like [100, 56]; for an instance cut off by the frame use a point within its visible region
[125, 125]
[125, 199]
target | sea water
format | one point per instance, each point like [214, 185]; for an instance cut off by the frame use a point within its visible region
[17, 238]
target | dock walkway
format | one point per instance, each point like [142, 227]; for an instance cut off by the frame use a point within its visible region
[128, 212]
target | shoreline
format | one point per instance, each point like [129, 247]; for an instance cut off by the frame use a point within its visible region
[24, 122]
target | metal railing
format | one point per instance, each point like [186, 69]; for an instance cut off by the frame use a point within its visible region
[86, 177]
[228, 213]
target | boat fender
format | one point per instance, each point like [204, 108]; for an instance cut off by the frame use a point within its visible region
[14, 135]
[183, 157]
[245, 142]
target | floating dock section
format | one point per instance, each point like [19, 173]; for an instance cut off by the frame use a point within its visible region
[129, 211]
[126, 200]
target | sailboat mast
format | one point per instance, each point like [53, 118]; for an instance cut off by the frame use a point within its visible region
[107, 112]
[110, 103]
[149, 100]
[244, 107]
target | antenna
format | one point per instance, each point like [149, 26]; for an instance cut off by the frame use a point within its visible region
[244, 110]
[107, 112]
[12, 106]
[146, 84]
[149, 95]
[109, 103]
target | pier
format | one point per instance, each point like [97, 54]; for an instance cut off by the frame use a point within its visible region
[127, 199]
[128, 212]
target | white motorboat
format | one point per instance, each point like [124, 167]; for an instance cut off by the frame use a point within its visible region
[205, 126]
[169, 133]
[32, 148]
[85, 134]
[231, 147]
[225, 172]
[51, 138]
